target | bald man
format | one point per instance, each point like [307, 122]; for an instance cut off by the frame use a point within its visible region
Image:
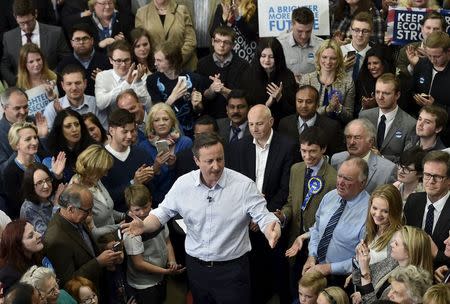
[266, 157]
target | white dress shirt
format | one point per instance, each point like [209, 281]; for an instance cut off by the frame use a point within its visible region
[262, 153]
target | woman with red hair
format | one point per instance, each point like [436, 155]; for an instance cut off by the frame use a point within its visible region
[20, 248]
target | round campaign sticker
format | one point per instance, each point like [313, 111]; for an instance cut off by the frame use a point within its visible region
[315, 185]
[398, 134]
[310, 55]
[421, 80]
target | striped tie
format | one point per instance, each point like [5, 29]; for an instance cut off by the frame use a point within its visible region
[326, 237]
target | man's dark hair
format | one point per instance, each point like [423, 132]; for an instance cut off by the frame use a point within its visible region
[120, 118]
[313, 136]
[439, 112]
[207, 120]
[302, 15]
[413, 156]
[438, 157]
[239, 94]
[205, 140]
[73, 68]
[81, 27]
[122, 45]
[435, 15]
[224, 31]
[310, 88]
[23, 8]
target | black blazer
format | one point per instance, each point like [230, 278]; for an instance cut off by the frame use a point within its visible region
[332, 128]
[242, 158]
[414, 211]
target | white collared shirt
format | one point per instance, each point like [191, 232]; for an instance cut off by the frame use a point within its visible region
[348, 48]
[438, 206]
[262, 154]
[389, 119]
[122, 156]
[35, 38]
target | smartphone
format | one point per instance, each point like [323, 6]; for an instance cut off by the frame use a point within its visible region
[351, 54]
[128, 219]
[424, 95]
[116, 247]
[182, 79]
[162, 146]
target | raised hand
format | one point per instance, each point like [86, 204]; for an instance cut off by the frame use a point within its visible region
[58, 164]
[41, 124]
[129, 76]
[143, 174]
[412, 55]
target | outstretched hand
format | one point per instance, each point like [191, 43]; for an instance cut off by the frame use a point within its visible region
[295, 248]
[273, 233]
[135, 227]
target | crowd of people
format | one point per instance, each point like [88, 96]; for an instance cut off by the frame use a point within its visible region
[161, 151]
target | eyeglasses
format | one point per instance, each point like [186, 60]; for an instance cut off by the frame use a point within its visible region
[87, 211]
[89, 300]
[405, 169]
[436, 178]
[361, 31]
[109, 3]
[54, 289]
[44, 181]
[238, 107]
[225, 42]
[120, 61]
[26, 22]
[81, 39]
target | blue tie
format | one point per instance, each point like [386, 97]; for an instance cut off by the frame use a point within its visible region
[308, 174]
[235, 136]
[355, 72]
[429, 220]
[328, 233]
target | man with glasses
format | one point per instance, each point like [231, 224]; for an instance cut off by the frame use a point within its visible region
[355, 51]
[85, 55]
[235, 126]
[360, 135]
[49, 38]
[224, 69]
[430, 210]
[124, 75]
[68, 241]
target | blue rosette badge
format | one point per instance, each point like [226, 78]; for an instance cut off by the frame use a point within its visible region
[315, 185]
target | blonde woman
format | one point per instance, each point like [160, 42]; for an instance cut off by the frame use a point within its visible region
[333, 295]
[93, 164]
[336, 88]
[409, 284]
[36, 78]
[409, 246]
[162, 129]
[384, 219]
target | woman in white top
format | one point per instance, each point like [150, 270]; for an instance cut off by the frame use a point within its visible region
[93, 164]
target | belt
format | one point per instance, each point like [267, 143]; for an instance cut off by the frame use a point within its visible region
[217, 263]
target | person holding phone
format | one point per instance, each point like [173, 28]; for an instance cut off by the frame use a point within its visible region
[164, 142]
[181, 90]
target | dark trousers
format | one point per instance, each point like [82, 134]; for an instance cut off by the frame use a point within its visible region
[155, 294]
[221, 283]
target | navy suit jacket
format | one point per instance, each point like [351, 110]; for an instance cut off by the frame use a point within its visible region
[414, 212]
[276, 176]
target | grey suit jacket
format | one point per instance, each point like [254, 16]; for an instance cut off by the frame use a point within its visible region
[381, 170]
[53, 46]
[402, 128]
[224, 129]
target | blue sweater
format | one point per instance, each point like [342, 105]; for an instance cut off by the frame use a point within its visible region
[121, 173]
[162, 182]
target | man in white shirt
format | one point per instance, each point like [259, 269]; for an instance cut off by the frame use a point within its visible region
[124, 75]
[299, 45]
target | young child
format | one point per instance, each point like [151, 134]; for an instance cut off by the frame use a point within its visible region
[150, 256]
[309, 287]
